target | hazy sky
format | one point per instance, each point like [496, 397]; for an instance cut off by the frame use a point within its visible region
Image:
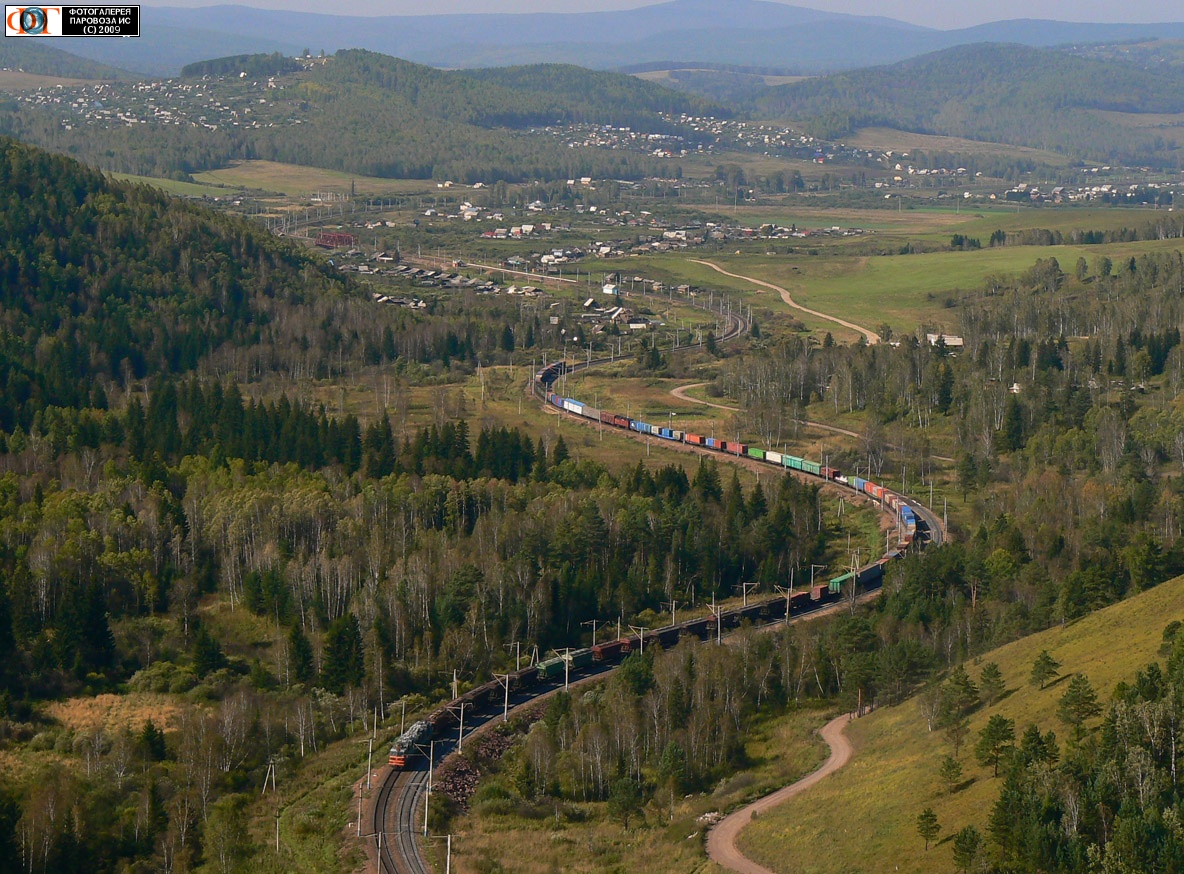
[942, 14]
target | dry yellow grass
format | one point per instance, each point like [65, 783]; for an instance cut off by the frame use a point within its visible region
[864, 817]
[16, 80]
[115, 712]
[291, 179]
[907, 141]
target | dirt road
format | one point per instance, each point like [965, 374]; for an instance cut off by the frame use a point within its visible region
[721, 842]
[872, 336]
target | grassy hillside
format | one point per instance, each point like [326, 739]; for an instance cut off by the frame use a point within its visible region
[867, 812]
[1000, 93]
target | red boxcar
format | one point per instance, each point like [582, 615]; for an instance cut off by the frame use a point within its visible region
[606, 652]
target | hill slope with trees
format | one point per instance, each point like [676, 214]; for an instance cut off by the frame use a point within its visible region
[371, 114]
[1000, 93]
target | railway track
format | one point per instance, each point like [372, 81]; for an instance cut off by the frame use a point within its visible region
[397, 811]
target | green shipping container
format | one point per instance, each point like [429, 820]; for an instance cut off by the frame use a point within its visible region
[836, 585]
[756, 453]
[812, 467]
[792, 461]
[551, 669]
[581, 658]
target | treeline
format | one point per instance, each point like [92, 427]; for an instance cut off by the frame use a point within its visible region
[1166, 227]
[275, 64]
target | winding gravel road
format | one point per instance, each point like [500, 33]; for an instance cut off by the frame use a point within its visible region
[721, 841]
[871, 336]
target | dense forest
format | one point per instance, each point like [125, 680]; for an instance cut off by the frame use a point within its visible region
[999, 93]
[275, 64]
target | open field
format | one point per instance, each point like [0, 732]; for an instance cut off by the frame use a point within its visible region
[293, 180]
[172, 186]
[884, 138]
[905, 291]
[866, 813]
[661, 77]
[1171, 124]
[17, 80]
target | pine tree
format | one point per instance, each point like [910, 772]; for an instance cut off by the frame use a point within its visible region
[967, 844]
[1078, 704]
[1043, 669]
[343, 659]
[995, 739]
[559, 453]
[300, 655]
[990, 683]
[927, 826]
[950, 771]
[207, 654]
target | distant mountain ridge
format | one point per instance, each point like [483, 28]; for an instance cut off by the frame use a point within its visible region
[748, 32]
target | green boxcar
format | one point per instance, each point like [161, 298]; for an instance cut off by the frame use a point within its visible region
[792, 461]
[836, 585]
[551, 669]
[812, 467]
[581, 658]
[756, 453]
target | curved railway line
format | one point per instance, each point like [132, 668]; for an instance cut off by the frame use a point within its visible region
[397, 815]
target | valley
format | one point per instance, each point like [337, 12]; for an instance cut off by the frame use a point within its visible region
[745, 367]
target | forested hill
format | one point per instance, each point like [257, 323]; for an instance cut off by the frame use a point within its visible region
[514, 97]
[1002, 93]
[274, 64]
[33, 56]
[578, 94]
[367, 113]
[104, 282]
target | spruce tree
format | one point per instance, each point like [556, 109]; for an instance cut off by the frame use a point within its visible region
[343, 661]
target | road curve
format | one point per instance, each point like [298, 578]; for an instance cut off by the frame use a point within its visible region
[871, 336]
[721, 841]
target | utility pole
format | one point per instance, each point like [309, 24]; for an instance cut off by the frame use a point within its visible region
[744, 589]
[640, 630]
[565, 654]
[672, 604]
[717, 612]
[788, 593]
[595, 623]
[504, 679]
[517, 647]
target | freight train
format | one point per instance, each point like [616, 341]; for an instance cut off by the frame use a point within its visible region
[577, 662]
